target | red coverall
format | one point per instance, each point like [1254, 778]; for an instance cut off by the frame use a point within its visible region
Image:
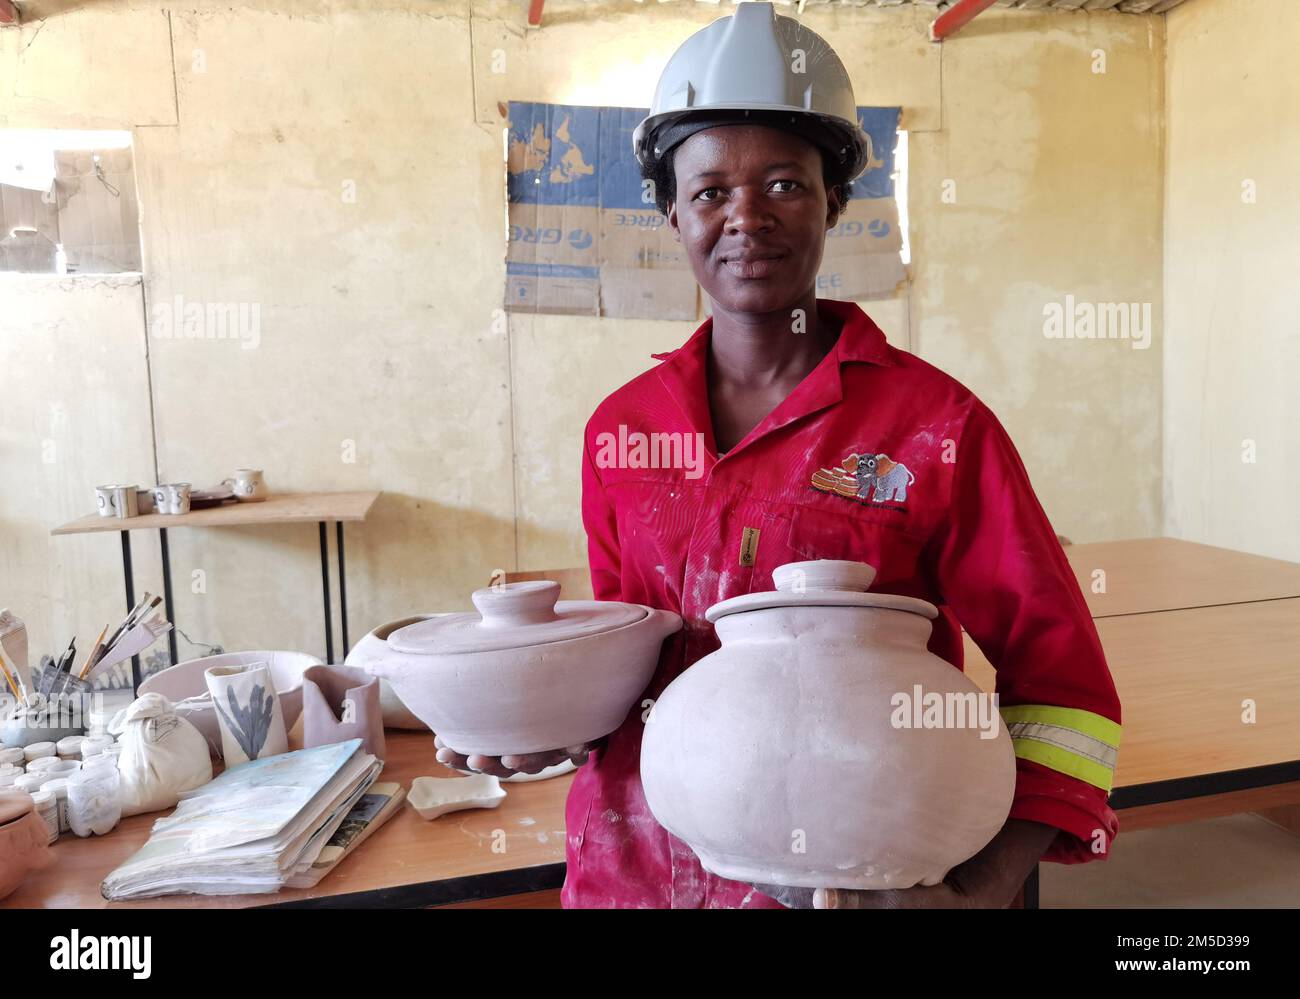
[969, 536]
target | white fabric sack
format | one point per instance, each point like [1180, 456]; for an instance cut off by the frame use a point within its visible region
[162, 755]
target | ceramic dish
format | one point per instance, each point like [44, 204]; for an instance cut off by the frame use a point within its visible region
[186, 687]
[202, 498]
[434, 796]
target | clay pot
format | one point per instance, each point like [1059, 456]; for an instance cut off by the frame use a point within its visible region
[24, 841]
[798, 754]
[341, 703]
[374, 646]
[526, 674]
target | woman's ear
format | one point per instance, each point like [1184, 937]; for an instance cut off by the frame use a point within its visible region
[834, 206]
[672, 219]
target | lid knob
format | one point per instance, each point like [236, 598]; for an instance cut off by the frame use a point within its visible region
[823, 574]
[513, 605]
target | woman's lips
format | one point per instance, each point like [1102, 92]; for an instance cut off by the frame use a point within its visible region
[752, 267]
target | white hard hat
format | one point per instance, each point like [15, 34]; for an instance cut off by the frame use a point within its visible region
[755, 66]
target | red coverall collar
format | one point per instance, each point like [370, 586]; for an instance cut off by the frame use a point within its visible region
[684, 374]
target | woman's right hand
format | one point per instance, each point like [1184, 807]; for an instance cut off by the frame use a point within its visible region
[508, 766]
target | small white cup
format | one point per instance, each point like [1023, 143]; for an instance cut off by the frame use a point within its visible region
[116, 501]
[248, 485]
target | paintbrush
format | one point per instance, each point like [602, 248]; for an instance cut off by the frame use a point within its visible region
[9, 677]
[50, 675]
[126, 620]
[94, 651]
[146, 604]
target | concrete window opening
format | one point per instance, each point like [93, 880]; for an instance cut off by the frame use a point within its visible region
[68, 202]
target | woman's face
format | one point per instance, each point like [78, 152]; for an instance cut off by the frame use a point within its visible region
[752, 211]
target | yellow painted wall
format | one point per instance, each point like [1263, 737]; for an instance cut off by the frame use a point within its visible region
[1232, 358]
[377, 326]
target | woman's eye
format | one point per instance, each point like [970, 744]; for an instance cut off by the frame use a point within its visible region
[793, 184]
[707, 190]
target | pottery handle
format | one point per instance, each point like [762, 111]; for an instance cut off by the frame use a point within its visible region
[512, 605]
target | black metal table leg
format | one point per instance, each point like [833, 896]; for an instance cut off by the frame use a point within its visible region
[129, 574]
[325, 589]
[343, 589]
[167, 595]
[1031, 889]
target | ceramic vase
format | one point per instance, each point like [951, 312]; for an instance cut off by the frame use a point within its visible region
[341, 703]
[248, 712]
[791, 755]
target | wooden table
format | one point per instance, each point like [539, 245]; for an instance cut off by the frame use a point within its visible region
[1159, 574]
[278, 508]
[515, 848]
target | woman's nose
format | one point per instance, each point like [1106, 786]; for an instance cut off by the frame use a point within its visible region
[749, 212]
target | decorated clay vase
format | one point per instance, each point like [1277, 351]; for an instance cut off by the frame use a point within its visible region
[823, 746]
[24, 840]
[526, 673]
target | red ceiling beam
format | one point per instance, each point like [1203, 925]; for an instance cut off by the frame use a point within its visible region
[535, 12]
[9, 13]
[956, 17]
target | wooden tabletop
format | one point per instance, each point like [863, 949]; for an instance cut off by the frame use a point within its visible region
[278, 508]
[1158, 574]
[1182, 678]
[526, 831]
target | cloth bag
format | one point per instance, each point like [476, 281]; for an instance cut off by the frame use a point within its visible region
[162, 755]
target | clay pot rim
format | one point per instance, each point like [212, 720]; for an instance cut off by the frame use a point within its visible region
[820, 598]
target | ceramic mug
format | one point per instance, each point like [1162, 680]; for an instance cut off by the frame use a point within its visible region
[116, 501]
[247, 485]
[173, 497]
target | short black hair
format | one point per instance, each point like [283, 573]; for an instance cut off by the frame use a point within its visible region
[664, 180]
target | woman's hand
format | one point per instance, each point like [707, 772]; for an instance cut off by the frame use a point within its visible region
[940, 896]
[508, 766]
[989, 880]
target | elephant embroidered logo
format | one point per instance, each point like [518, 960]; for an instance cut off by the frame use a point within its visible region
[874, 478]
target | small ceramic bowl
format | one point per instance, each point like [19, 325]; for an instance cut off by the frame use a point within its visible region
[185, 686]
[434, 796]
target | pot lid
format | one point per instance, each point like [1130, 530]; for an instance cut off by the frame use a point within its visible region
[514, 616]
[821, 583]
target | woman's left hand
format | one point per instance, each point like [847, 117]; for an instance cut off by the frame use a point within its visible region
[940, 896]
[989, 880]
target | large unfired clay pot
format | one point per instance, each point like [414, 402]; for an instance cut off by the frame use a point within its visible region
[24, 840]
[525, 674]
[780, 758]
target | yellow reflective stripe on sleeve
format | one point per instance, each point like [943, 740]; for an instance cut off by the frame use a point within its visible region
[1069, 740]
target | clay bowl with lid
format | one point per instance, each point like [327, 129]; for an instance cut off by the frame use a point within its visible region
[792, 755]
[528, 672]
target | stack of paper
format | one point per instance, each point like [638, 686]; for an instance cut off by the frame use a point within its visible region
[252, 829]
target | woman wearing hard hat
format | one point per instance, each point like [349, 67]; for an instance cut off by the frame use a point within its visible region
[750, 144]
